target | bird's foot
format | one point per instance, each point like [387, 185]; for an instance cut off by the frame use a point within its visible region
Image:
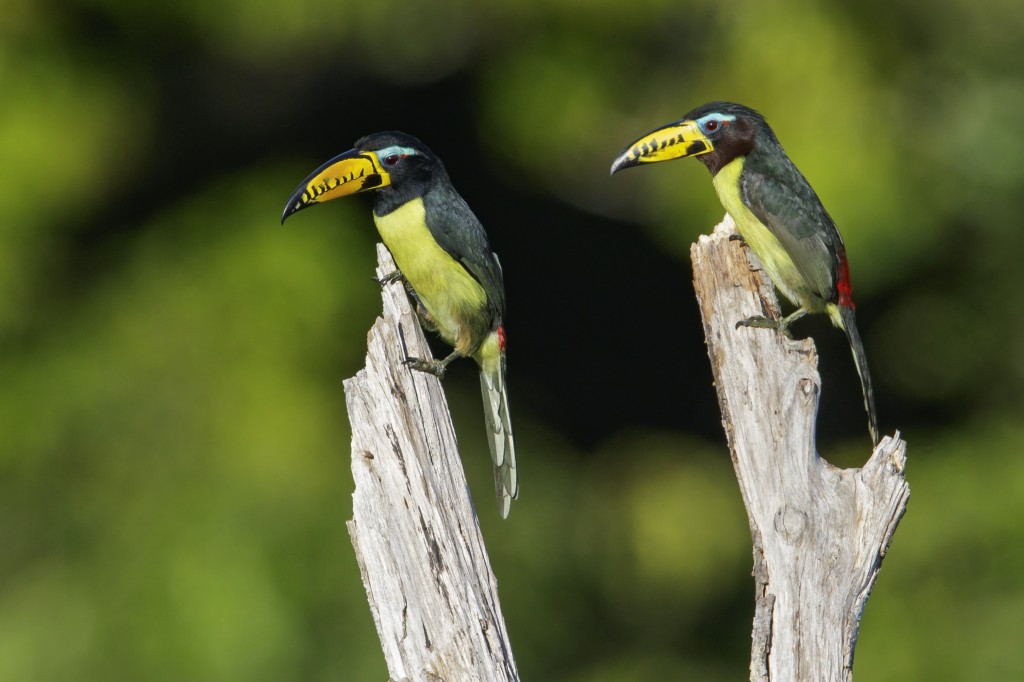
[390, 278]
[736, 237]
[435, 367]
[762, 322]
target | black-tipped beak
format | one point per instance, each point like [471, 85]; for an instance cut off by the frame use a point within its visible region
[345, 174]
[673, 141]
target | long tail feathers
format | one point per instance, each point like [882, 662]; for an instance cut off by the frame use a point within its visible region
[860, 360]
[499, 436]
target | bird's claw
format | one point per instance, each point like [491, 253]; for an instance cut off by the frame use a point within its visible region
[736, 237]
[435, 367]
[390, 278]
[762, 322]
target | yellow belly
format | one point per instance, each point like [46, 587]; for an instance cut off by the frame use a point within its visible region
[773, 256]
[448, 292]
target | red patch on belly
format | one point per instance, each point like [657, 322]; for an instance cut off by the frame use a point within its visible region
[501, 338]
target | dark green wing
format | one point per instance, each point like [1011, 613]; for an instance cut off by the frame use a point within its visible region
[785, 203]
[459, 233]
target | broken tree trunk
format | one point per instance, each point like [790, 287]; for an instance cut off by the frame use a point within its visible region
[819, 532]
[429, 582]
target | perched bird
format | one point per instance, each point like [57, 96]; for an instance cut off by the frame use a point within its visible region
[444, 257]
[777, 213]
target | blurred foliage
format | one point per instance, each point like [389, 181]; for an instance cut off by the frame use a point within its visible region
[173, 447]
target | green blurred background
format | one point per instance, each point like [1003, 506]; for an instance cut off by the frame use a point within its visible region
[174, 475]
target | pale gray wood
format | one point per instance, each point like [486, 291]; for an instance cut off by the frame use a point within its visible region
[819, 532]
[422, 557]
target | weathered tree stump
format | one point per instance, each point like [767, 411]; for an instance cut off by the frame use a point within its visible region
[819, 532]
[429, 582]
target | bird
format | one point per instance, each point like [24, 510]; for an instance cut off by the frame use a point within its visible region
[776, 211]
[445, 260]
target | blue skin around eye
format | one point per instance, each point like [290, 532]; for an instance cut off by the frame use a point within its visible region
[400, 151]
[703, 121]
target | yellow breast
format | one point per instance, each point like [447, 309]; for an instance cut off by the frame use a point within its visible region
[445, 288]
[773, 256]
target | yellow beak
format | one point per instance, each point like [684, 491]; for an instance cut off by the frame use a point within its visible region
[674, 141]
[345, 174]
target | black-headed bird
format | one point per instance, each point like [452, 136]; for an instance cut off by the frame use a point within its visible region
[443, 254]
[775, 210]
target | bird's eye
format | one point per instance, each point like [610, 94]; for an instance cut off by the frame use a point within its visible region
[391, 159]
[711, 125]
